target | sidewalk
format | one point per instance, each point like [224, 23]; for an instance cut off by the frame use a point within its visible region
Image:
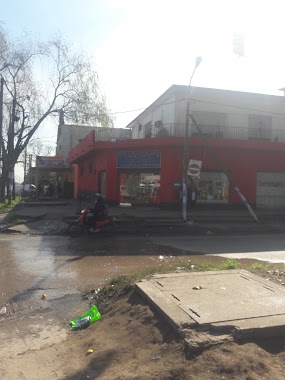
[55, 216]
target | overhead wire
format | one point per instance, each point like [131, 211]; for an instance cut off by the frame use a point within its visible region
[282, 116]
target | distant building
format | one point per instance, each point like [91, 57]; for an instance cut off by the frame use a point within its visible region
[68, 136]
[56, 169]
[240, 133]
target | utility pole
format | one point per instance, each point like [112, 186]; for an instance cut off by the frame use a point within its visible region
[1, 117]
[186, 146]
[25, 165]
[11, 151]
[1, 136]
[30, 168]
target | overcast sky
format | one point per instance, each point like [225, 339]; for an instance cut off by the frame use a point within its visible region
[142, 47]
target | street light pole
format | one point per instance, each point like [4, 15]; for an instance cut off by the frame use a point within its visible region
[186, 145]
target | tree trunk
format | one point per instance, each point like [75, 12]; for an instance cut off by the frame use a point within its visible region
[3, 183]
[2, 190]
[11, 153]
[13, 189]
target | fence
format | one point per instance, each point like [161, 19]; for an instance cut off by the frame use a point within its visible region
[211, 131]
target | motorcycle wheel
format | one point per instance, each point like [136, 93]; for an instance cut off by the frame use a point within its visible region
[75, 229]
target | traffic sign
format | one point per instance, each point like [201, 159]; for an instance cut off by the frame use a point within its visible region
[194, 168]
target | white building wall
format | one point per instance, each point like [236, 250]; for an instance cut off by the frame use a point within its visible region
[164, 112]
[69, 136]
[236, 105]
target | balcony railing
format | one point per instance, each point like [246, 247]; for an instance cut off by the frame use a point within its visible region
[211, 131]
[110, 134]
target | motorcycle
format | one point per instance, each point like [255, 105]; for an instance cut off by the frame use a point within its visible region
[87, 223]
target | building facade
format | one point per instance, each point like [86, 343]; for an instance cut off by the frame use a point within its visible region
[239, 137]
[56, 170]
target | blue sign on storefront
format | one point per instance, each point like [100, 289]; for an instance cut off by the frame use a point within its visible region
[138, 160]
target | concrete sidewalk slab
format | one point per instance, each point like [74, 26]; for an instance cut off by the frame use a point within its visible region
[212, 307]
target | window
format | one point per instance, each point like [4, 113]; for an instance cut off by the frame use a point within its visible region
[212, 123]
[213, 187]
[90, 167]
[138, 187]
[148, 129]
[259, 127]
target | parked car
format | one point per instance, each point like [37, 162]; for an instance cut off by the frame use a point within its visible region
[18, 188]
[28, 190]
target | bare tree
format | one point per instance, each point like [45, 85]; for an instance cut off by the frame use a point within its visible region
[38, 148]
[41, 80]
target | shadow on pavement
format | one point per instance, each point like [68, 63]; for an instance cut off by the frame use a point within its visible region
[97, 366]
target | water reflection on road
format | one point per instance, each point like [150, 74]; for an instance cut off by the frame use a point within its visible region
[30, 262]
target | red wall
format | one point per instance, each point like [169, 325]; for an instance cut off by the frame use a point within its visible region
[171, 171]
[112, 177]
[242, 159]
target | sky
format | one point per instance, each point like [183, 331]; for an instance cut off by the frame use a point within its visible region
[141, 47]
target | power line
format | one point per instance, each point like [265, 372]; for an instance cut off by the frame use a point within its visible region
[192, 99]
[176, 101]
[239, 107]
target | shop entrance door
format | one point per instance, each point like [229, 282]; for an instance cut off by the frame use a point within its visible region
[102, 183]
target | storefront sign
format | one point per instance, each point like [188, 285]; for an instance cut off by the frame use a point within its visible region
[271, 184]
[194, 168]
[138, 160]
[51, 162]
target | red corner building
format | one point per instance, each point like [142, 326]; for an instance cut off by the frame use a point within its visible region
[239, 138]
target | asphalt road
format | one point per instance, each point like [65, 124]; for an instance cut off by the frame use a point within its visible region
[270, 247]
[62, 267]
[69, 264]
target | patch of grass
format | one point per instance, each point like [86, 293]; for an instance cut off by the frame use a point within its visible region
[257, 266]
[4, 207]
[13, 222]
[230, 264]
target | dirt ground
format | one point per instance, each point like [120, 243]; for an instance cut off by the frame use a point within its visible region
[132, 341]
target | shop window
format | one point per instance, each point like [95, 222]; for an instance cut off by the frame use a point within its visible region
[140, 188]
[213, 187]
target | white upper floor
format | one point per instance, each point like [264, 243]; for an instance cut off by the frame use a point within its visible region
[219, 114]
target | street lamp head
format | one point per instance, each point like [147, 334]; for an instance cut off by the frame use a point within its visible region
[198, 61]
